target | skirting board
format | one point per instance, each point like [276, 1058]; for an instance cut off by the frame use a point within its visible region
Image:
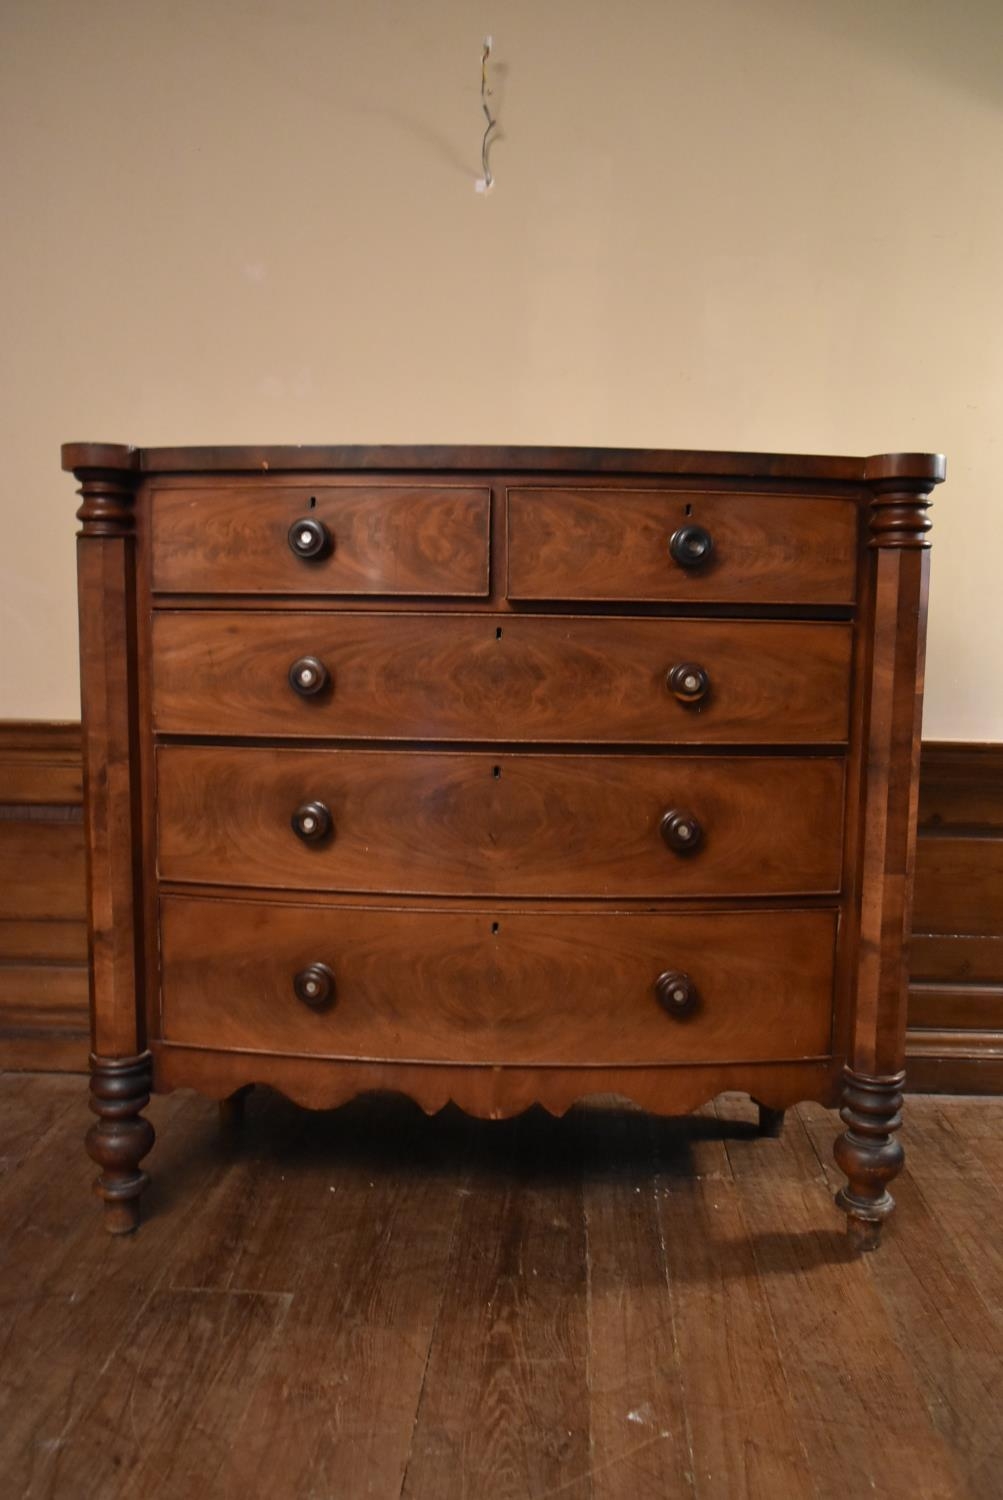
[955, 1040]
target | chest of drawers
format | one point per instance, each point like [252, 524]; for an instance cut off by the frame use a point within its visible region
[501, 776]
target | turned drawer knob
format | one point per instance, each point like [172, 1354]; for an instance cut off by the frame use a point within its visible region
[309, 538]
[691, 546]
[688, 682]
[308, 676]
[311, 822]
[676, 993]
[314, 985]
[681, 830]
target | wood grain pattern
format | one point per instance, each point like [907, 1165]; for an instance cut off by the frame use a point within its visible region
[491, 1093]
[387, 1239]
[639, 1371]
[514, 825]
[498, 824]
[961, 787]
[500, 678]
[953, 1006]
[594, 544]
[868, 1152]
[964, 958]
[41, 870]
[798, 1265]
[43, 935]
[505, 1404]
[40, 764]
[959, 885]
[386, 539]
[347, 457]
[481, 987]
[957, 977]
[244, 1355]
[955, 1039]
[120, 1072]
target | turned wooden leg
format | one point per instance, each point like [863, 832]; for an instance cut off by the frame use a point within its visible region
[868, 1152]
[771, 1121]
[231, 1110]
[120, 1137]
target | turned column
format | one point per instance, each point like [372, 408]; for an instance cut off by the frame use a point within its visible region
[868, 1151]
[120, 1063]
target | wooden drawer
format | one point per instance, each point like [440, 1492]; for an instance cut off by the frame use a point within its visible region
[497, 987]
[615, 545]
[500, 677]
[476, 824]
[383, 539]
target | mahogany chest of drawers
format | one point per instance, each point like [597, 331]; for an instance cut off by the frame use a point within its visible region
[501, 776]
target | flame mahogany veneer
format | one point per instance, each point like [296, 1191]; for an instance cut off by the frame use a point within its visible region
[501, 776]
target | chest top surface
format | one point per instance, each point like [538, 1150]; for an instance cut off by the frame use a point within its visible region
[571, 460]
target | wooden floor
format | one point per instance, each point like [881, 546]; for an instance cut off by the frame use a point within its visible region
[370, 1303]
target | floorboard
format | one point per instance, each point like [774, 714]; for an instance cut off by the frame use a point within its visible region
[368, 1302]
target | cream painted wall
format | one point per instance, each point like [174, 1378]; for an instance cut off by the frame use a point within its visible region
[772, 224]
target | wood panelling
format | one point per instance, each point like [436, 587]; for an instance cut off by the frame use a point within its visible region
[959, 883]
[956, 960]
[956, 997]
[43, 932]
[40, 764]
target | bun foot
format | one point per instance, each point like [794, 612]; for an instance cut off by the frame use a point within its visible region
[120, 1137]
[868, 1153]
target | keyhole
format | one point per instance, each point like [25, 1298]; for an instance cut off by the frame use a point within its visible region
[688, 510]
[495, 929]
[496, 773]
[313, 503]
[498, 633]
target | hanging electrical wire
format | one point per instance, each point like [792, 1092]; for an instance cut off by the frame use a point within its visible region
[485, 181]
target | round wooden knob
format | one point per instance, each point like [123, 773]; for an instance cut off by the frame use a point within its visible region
[676, 993]
[308, 676]
[688, 682]
[681, 831]
[691, 546]
[315, 986]
[311, 822]
[309, 538]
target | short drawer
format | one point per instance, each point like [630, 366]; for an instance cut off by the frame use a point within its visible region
[500, 677]
[501, 824]
[497, 986]
[323, 539]
[659, 545]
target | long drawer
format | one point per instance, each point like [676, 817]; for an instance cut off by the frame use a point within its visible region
[500, 677]
[516, 824]
[403, 539]
[497, 987]
[622, 544]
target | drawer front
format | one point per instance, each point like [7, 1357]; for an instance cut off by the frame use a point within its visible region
[535, 825]
[374, 539]
[498, 987]
[500, 677]
[618, 545]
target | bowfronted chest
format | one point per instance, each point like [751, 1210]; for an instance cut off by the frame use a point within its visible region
[501, 776]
